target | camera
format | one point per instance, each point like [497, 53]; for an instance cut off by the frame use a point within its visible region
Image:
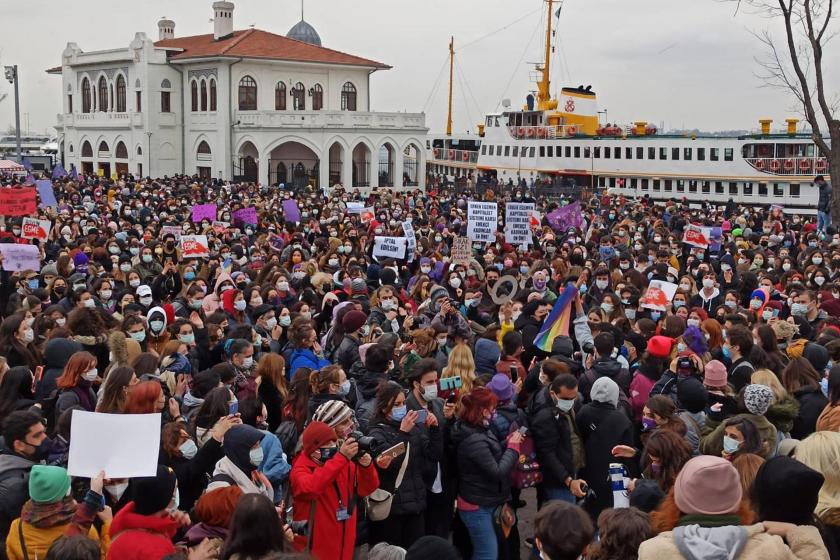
[685, 366]
[366, 443]
[300, 527]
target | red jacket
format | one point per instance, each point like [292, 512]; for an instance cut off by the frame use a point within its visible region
[316, 484]
[640, 389]
[141, 537]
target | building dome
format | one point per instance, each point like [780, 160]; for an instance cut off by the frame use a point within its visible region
[302, 31]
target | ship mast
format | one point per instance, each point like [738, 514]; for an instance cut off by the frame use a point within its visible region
[544, 85]
[451, 70]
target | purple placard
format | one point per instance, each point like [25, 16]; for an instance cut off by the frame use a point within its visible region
[291, 211]
[246, 216]
[204, 211]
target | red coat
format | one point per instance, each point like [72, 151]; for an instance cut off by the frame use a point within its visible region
[141, 537]
[313, 484]
[640, 389]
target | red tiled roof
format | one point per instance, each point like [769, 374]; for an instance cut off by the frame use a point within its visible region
[255, 43]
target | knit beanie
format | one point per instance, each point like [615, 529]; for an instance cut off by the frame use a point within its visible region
[152, 494]
[432, 547]
[487, 354]
[786, 490]
[353, 321]
[333, 413]
[691, 395]
[708, 485]
[47, 484]
[714, 374]
[758, 398]
[604, 390]
[316, 434]
[660, 346]
[502, 387]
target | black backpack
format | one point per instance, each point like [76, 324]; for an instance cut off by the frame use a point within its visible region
[289, 437]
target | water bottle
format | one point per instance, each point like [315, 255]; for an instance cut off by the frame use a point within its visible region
[618, 481]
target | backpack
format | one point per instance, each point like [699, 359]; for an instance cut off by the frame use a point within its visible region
[289, 437]
[623, 400]
[527, 471]
[365, 409]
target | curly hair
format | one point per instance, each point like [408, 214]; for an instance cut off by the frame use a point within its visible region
[621, 532]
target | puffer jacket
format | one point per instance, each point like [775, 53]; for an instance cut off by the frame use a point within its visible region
[552, 439]
[484, 465]
[811, 404]
[426, 446]
[348, 352]
[14, 487]
[604, 367]
[56, 354]
[803, 542]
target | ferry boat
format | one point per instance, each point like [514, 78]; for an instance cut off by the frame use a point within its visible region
[561, 142]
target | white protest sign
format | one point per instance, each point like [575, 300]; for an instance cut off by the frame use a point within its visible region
[122, 445]
[35, 229]
[461, 250]
[194, 246]
[482, 219]
[518, 223]
[355, 207]
[389, 247]
[174, 230]
[411, 237]
[658, 295]
[17, 257]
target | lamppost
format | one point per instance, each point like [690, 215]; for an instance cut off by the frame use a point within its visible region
[12, 76]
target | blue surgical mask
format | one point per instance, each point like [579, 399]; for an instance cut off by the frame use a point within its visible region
[189, 276]
[726, 352]
[398, 413]
[730, 445]
[655, 315]
[824, 386]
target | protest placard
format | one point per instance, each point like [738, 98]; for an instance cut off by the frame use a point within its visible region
[46, 192]
[482, 220]
[518, 223]
[355, 207]
[174, 230]
[122, 445]
[33, 228]
[291, 211]
[366, 215]
[658, 295]
[697, 236]
[389, 247]
[194, 246]
[246, 216]
[18, 257]
[203, 212]
[220, 227]
[461, 250]
[411, 237]
[565, 217]
[18, 201]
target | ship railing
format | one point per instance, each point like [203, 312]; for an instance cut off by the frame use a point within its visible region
[455, 156]
[790, 165]
[543, 132]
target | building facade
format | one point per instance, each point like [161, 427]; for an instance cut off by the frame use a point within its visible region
[248, 105]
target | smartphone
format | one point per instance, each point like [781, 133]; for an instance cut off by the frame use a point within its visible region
[422, 414]
[233, 408]
[395, 451]
[523, 430]
[39, 373]
[514, 373]
[452, 399]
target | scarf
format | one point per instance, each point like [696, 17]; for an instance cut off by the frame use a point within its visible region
[44, 516]
[709, 520]
[82, 391]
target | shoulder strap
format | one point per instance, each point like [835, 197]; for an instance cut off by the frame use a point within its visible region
[222, 477]
[311, 525]
[22, 540]
[402, 468]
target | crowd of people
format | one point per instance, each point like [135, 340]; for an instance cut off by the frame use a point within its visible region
[318, 401]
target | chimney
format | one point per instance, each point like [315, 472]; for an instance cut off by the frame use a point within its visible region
[222, 20]
[166, 29]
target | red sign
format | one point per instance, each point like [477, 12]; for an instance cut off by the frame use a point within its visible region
[35, 229]
[18, 201]
[194, 246]
[696, 236]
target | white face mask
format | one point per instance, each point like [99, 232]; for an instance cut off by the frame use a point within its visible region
[60, 321]
[285, 320]
[247, 362]
[91, 375]
[430, 392]
[239, 305]
[256, 456]
[271, 323]
[28, 336]
[188, 449]
[117, 490]
[708, 283]
[89, 303]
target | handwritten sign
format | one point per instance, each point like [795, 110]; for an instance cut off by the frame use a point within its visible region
[220, 227]
[203, 212]
[46, 192]
[658, 295]
[122, 445]
[518, 223]
[18, 201]
[411, 237]
[194, 246]
[461, 250]
[246, 216]
[697, 236]
[35, 229]
[481, 221]
[389, 247]
[291, 211]
[174, 230]
[20, 257]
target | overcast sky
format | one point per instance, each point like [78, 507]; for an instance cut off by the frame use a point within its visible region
[685, 62]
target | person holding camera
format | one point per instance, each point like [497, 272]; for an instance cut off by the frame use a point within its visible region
[391, 425]
[326, 480]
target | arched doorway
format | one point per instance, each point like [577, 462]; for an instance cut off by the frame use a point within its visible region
[121, 155]
[411, 166]
[204, 159]
[387, 156]
[361, 165]
[336, 163]
[245, 167]
[87, 158]
[293, 164]
[103, 155]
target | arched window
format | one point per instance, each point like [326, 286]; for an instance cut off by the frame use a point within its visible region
[348, 97]
[203, 148]
[121, 152]
[212, 94]
[120, 94]
[247, 94]
[103, 147]
[71, 148]
[203, 88]
[85, 96]
[87, 150]
[165, 96]
[317, 97]
[165, 84]
[280, 97]
[299, 97]
[139, 151]
[282, 176]
[103, 94]
[194, 96]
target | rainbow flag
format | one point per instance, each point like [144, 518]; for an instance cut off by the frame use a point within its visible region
[558, 321]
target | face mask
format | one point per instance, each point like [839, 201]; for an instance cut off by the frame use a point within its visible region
[283, 286]
[139, 336]
[60, 321]
[624, 265]
[755, 304]
[134, 283]
[388, 305]
[430, 392]
[147, 258]
[786, 266]
[730, 304]
[685, 287]
[188, 449]
[708, 283]
[256, 456]
[817, 260]
[156, 326]
[188, 339]
[425, 269]
[693, 323]
[327, 453]
[471, 302]
[247, 362]
[271, 323]
[125, 267]
[344, 388]
[90, 375]
[28, 336]
[117, 490]
[565, 405]
[819, 280]
[602, 284]
[196, 304]
[730, 445]
[630, 314]
[678, 303]
[189, 276]
[146, 300]
[648, 424]
[105, 295]
[89, 303]
[607, 307]
[799, 309]
[655, 315]
[239, 305]
[333, 262]
[766, 315]
[398, 413]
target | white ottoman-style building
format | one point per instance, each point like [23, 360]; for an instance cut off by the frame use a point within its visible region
[249, 105]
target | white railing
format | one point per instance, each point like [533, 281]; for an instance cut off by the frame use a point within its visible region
[331, 119]
[543, 132]
[790, 165]
[455, 156]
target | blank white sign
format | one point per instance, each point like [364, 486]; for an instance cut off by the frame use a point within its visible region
[122, 445]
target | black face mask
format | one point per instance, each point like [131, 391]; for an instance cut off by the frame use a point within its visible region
[42, 451]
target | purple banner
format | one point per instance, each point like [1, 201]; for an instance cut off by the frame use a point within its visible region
[46, 192]
[291, 211]
[246, 216]
[566, 217]
[204, 211]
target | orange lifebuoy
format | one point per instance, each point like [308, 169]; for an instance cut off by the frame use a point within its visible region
[775, 165]
[451, 154]
[465, 156]
[821, 165]
[521, 132]
[789, 165]
[437, 153]
[805, 165]
[572, 130]
[759, 164]
[531, 132]
[541, 132]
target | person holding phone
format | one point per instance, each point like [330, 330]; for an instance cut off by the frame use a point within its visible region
[393, 423]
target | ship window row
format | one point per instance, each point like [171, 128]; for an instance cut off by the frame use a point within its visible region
[730, 188]
[611, 152]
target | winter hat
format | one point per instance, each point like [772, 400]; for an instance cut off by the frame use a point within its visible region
[817, 355]
[660, 346]
[238, 443]
[333, 413]
[216, 507]
[435, 294]
[714, 374]
[502, 387]
[432, 546]
[708, 485]
[786, 490]
[152, 494]
[81, 261]
[47, 484]
[317, 434]
[647, 495]
[758, 398]
[604, 390]
[695, 340]
[487, 354]
[692, 395]
[562, 346]
[353, 321]
[261, 310]
[358, 287]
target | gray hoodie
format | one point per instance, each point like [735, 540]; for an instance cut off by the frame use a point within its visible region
[14, 488]
[710, 543]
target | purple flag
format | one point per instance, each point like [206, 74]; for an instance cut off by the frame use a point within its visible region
[74, 174]
[59, 171]
[566, 217]
[291, 211]
[46, 192]
[30, 180]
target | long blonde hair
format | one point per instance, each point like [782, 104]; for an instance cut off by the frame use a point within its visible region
[769, 379]
[461, 363]
[821, 452]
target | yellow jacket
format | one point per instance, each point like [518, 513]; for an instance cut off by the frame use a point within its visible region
[38, 541]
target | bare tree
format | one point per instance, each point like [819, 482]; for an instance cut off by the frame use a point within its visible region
[797, 66]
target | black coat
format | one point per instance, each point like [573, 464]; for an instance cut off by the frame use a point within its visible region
[273, 401]
[194, 474]
[811, 404]
[347, 353]
[426, 446]
[430, 469]
[484, 465]
[552, 440]
[602, 427]
[608, 367]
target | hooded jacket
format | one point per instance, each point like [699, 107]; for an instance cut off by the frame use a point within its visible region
[141, 537]
[552, 439]
[484, 465]
[236, 468]
[153, 341]
[605, 367]
[213, 301]
[14, 487]
[56, 354]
